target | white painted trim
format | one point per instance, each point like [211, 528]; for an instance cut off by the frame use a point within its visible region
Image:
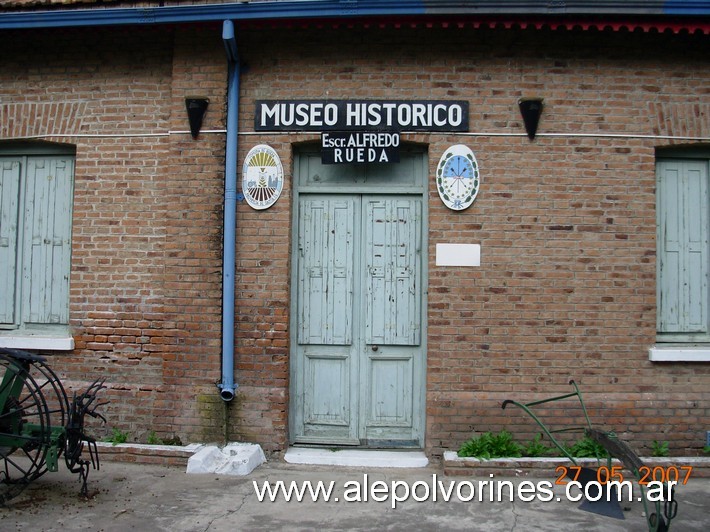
[355, 457]
[679, 353]
[49, 343]
[166, 133]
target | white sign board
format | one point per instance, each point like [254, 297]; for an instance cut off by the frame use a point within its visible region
[458, 254]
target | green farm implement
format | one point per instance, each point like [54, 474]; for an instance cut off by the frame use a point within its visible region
[659, 514]
[39, 425]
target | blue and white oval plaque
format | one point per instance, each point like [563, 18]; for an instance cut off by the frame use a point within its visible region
[457, 177]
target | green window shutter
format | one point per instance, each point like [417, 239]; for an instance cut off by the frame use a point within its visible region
[47, 240]
[682, 189]
[9, 202]
[325, 272]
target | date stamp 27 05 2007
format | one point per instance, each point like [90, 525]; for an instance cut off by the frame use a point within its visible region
[675, 474]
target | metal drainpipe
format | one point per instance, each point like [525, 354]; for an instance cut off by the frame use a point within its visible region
[228, 386]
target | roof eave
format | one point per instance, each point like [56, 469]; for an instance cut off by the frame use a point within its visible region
[329, 9]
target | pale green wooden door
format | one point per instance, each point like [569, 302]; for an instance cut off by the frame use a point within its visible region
[359, 360]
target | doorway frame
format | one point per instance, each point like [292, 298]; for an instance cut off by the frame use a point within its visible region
[421, 189]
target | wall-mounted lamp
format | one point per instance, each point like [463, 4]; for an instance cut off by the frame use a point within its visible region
[196, 108]
[531, 109]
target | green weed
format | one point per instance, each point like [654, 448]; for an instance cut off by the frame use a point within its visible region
[659, 448]
[117, 436]
[535, 448]
[587, 448]
[488, 445]
[153, 439]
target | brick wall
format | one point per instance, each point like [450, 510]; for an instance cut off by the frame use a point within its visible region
[146, 255]
[566, 287]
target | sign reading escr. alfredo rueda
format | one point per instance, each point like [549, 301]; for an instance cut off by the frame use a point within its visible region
[362, 147]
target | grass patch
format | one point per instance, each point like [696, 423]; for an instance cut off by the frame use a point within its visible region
[117, 436]
[502, 445]
[660, 449]
[489, 445]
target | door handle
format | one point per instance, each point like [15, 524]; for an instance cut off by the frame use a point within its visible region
[375, 348]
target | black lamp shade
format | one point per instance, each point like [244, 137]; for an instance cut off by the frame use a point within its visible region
[196, 108]
[530, 109]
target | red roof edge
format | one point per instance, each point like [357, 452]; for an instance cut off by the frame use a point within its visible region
[672, 25]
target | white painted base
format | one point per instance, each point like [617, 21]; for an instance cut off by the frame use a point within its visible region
[667, 353]
[356, 458]
[36, 342]
[237, 459]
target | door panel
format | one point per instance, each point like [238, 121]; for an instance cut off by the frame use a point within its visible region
[390, 396]
[392, 233]
[392, 254]
[327, 389]
[325, 362]
[323, 390]
[325, 246]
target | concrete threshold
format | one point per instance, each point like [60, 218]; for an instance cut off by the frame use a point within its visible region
[356, 457]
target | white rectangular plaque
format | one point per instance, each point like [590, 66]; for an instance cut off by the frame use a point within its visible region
[458, 254]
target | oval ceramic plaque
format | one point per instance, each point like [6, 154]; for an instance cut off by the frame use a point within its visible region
[262, 177]
[457, 177]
